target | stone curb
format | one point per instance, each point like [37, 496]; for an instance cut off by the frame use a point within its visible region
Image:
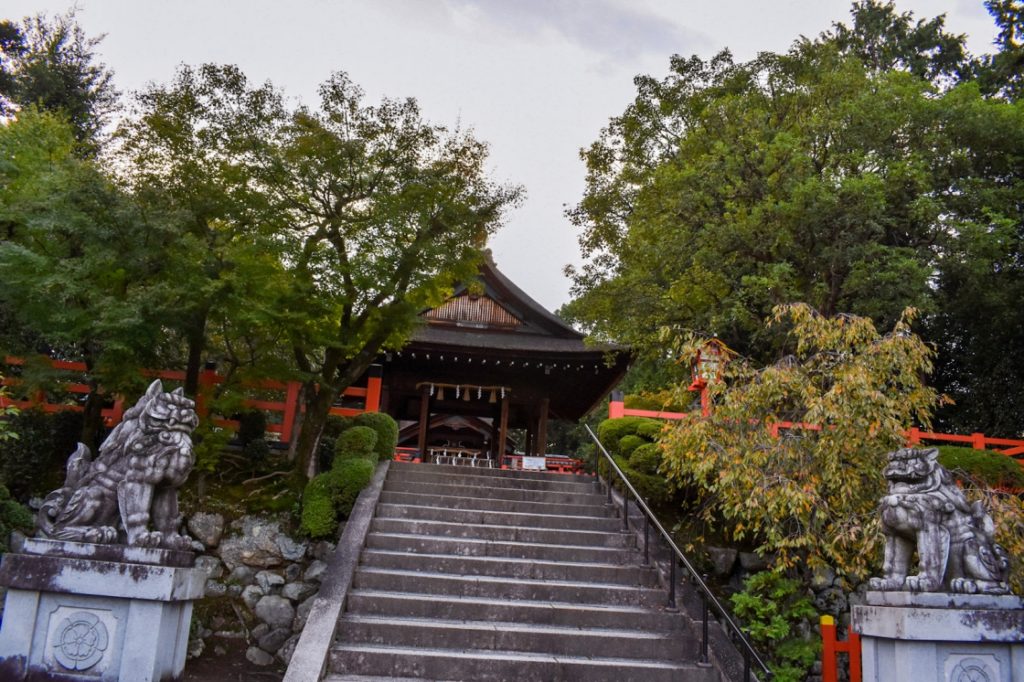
[309, 661]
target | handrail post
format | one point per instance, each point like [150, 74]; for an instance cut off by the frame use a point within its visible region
[647, 540]
[671, 606]
[625, 511]
[703, 660]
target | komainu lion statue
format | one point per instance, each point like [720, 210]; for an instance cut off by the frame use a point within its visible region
[926, 511]
[129, 494]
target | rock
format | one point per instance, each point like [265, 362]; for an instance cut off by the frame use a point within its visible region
[198, 547]
[292, 572]
[291, 550]
[256, 545]
[275, 611]
[316, 571]
[831, 600]
[258, 656]
[722, 560]
[206, 527]
[753, 563]
[322, 550]
[219, 650]
[260, 630]
[250, 595]
[35, 503]
[298, 591]
[268, 580]
[196, 647]
[215, 589]
[234, 590]
[822, 577]
[302, 613]
[275, 639]
[242, 575]
[218, 622]
[286, 651]
[212, 565]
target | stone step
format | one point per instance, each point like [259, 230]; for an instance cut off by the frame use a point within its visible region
[448, 607]
[510, 568]
[501, 666]
[419, 543]
[428, 475]
[503, 587]
[487, 504]
[444, 529]
[474, 517]
[423, 633]
[460, 489]
[402, 467]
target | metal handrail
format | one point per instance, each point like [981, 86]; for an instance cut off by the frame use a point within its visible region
[708, 599]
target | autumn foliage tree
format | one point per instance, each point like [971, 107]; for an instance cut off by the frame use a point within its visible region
[809, 496]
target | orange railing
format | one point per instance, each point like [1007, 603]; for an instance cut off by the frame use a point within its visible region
[1008, 446]
[831, 648]
[282, 413]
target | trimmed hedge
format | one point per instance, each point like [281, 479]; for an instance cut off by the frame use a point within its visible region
[993, 468]
[646, 459]
[629, 443]
[611, 431]
[355, 442]
[386, 429]
[331, 495]
[13, 516]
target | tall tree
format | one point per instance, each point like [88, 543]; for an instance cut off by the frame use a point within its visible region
[1003, 72]
[52, 64]
[386, 212]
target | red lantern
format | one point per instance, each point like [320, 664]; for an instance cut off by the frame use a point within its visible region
[707, 367]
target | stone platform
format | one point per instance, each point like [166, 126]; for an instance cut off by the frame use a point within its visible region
[941, 636]
[80, 611]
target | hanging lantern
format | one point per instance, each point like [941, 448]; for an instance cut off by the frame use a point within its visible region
[708, 365]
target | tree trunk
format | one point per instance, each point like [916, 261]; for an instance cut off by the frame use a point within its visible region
[318, 405]
[196, 346]
[92, 417]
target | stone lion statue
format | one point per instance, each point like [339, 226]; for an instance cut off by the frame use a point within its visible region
[926, 511]
[129, 494]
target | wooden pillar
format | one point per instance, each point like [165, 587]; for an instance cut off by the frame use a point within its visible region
[503, 426]
[542, 427]
[421, 441]
[531, 435]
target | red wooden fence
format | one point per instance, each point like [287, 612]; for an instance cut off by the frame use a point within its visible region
[831, 648]
[915, 436]
[282, 412]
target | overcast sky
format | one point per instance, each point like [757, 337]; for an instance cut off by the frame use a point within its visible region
[536, 79]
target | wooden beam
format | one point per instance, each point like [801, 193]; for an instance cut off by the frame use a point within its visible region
[421, 441]
[542, 427]
[503, 426]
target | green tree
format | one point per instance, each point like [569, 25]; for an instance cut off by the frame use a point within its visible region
[74, 258]
[1003, 72]
[51, 63]
[809, 496]
[386, 212]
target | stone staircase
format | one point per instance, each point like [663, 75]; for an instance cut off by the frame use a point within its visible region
[482, 574]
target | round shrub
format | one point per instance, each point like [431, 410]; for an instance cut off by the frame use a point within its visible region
[356, 442]
[627, 444]
[333, 427]
[650, 429]
[611, 431]
[646, 459]
[353, 475]
[993, 468]
[319, 517]
[256, 450]
[386, 429]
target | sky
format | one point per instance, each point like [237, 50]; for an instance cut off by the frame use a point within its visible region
[536, 79]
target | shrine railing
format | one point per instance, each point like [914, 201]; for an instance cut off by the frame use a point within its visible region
[278, 399]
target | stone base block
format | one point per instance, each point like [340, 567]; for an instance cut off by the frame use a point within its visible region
[74, 618]
[937, 636]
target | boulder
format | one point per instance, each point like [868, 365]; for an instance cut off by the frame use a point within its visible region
[290, 549]
[258, 656]
[255, 545]
[212, 565]
[315, 571]
[722, 560]
[292, 572]
[275, 639]
[752, 562]
[286, 650]
[252, 594]
[275, 611]
[322, 550]
[215, 589]
[298, 591]
[206, 527]
[822, 577]
[302, 613]
[242, 575]
[268, 581]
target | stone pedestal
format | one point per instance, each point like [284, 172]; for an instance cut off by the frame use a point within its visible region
[79, 611]
[939, 636]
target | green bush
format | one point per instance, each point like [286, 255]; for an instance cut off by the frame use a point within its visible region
[356, 442]
[319, 518]
[32, 453]
[993, 468]
[256, 451]
[646, 459]
[333, 427]
[353, 476]
[611, 431]
[627, 444]
[772, 609]
[386, 429]
[13, 516]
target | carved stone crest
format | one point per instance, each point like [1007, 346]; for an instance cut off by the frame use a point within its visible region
[954, 540]
[129, 494]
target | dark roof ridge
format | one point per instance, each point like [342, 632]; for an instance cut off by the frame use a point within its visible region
[539, 315]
